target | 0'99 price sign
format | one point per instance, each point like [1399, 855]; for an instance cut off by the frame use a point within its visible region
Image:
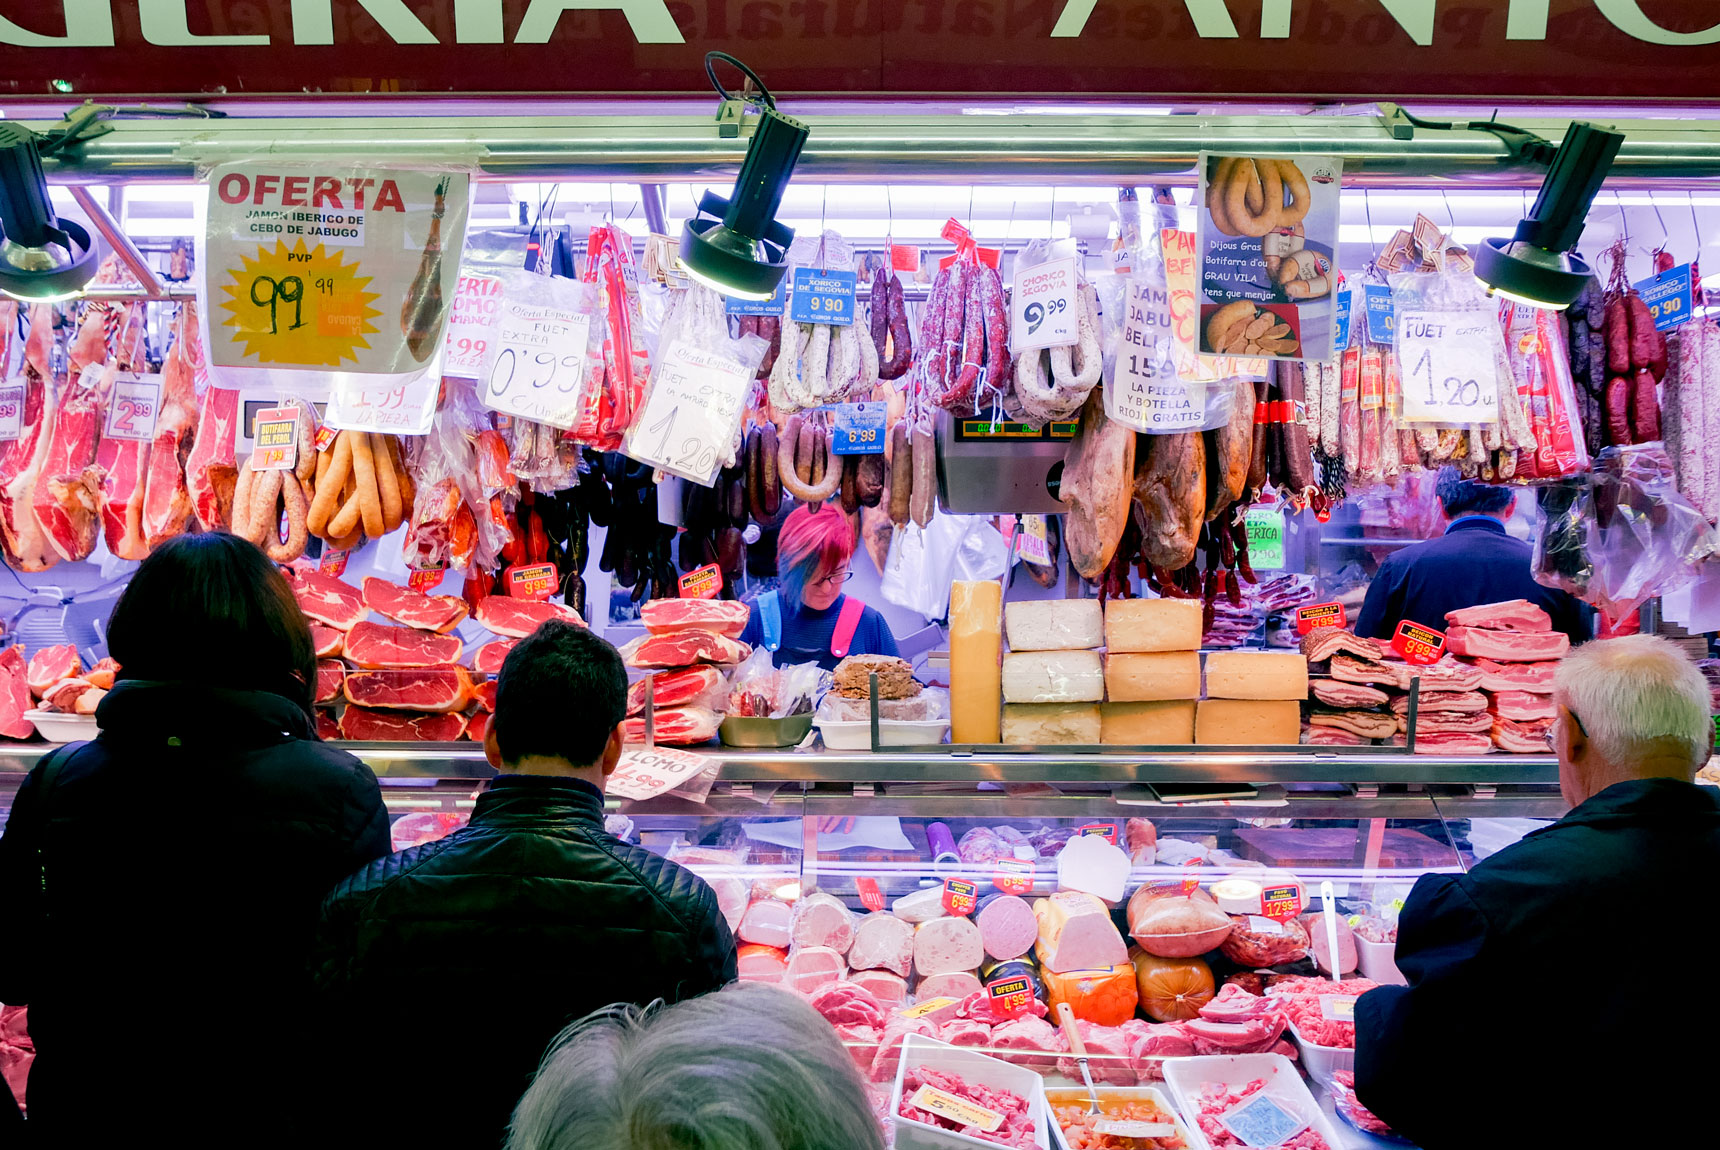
[537, 363]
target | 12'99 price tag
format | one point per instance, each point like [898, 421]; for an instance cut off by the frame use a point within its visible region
[694, 408]
[11, 413]
[823, 297]
[135, 405]
[1417, 644]
[1044, 306]
[857, 428]
[1450, 372]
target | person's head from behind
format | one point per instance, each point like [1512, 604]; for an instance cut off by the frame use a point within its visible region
[560, 702]
[211, 609]
[749, 1067]
[1459, 496]
[813, 552]
[1628, 708]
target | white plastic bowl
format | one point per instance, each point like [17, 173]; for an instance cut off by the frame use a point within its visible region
[1378, 961]
[918, 1050]
[1188, 1077]
[58, 727]
[847, 736]
[1066, 1095]
[1323, 1062]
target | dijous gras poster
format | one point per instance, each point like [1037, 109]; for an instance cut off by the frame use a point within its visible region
[1268, 256]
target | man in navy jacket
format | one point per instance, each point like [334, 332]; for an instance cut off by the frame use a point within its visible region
[1473, 563]
[1538, 1002]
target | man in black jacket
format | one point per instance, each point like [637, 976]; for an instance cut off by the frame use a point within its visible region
[490, 941]
[1533, 1009]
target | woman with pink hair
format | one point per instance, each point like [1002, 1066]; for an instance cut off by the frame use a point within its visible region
[808, 619]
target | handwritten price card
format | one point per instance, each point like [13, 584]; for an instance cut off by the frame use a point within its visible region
[1450, 371]
[645, 772]
[693, 411]
[11, 413]
[382, 403]
[537, 362]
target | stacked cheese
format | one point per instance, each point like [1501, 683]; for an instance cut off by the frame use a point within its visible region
[1053, 680]
[1517, 651]
[1152, 671]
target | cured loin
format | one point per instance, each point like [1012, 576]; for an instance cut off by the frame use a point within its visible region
[431, 689]
[14, 694]
[666, 616]
[678, 726]
[518, 618]
[440, 613]
[380, 646]
[51, 664]
[1096, 487]
[363, 724]
[1510, 615]
[674, 688]
[328, 600]
[1507, 646]
[1322, 643]
[489, 659]
[680, 649]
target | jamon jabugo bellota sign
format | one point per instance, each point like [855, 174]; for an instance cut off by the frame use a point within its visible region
[1357, 49]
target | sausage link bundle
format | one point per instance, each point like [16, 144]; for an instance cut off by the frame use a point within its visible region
[822, 363]
[965, 338]
[1636, 362]
[804, 462]
[362, 489]
[889, 325]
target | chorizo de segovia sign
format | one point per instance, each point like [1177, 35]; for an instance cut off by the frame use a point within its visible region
[1018, 49]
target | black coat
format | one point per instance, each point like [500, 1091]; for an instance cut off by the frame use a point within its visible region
[1540, 1009]
[489, 942]
[160, 903]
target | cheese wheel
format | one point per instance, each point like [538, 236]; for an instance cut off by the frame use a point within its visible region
[1256, 675]
[1054, 625]
[1105, 996]
[1156, 724]
[1138, 678]
[1247, 722]
[1052, 677]
[1054, 724]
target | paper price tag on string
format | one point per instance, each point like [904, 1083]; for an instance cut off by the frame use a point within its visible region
[960, 896]
[823, 297]
[1259, 1121]
[644, 772]
[1045, 306]
[1319, 615]
[1669, 297]
[1381, 312]
[471, 325]
[537, 581]
[1417, 644]
[857, 428]
[1450, 372]
[11, 413]
[275, 439]
[537, 362]
[135, 405]
[704, 583]
[382, 403]
[691, 415]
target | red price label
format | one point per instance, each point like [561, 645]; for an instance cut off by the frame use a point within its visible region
[425, 580]
[704, 583]
[1106, 831]
[960, 896]
[1417, 644]
[1191, 877]
[1013, 876]
[904, 259]
[1319, 615]
[871, 897]
[332, 563]
[326, 436]
[1010, 996]
[1281, 902]
[538, 581]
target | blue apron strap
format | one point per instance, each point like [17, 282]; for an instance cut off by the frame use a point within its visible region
[770, 621]
[847, 622]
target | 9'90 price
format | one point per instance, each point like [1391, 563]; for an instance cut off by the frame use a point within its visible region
[830, 305]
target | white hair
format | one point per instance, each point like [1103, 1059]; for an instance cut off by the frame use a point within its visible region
[1630, 691]
[748, 1067]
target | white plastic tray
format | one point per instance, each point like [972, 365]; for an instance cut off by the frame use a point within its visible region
[1187, 1077]
[1378, 961]
[847, 736]
[918, 1050]
[1322, 1062]
[1078, 1094]
[58, 727]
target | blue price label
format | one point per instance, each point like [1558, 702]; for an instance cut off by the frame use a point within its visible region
[1344, 296]
[857, 428]
[1382, 314]
[822, 297]
[775, 305]
[1669, 297]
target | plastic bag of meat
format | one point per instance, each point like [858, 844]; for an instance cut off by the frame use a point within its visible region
[626, 362]
[1541, 371]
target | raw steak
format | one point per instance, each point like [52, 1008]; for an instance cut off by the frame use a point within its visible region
[1511, 615]
[665, 616]
[674, 688]
[1507, 646]
[14, 695]
[848, 1004]
[330, 674]
[489, 658]
[682, 649]
[327, 727]
[377, 645]
[328, 600]
[212, 469]
[1522, 706]
[51, 664]
[1536, 678]
[68, 491]
[21, 460]
[1322, 643]
[485, 694]
[365, 725]
[1036, 1038]
[439, 613]
[520, 617]
[1528, 738]
[435, 689]
[1337, 693]
[1107, 1052]
[478, 725]
[1466, 701]
[678, 726]
[883, 942]
[1367, 724]
[328, 642]
[167, 500]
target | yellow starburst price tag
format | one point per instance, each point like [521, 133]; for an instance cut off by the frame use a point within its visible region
[299, 306]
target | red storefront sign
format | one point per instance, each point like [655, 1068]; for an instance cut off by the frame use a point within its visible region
[1016, 49]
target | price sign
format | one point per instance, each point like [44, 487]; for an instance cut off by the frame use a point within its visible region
[857, 428]
[426, 580]
[929, 1006]
[1417, 644]
[1338, 1007]
[1045, 306]
[1146, 392]
[1450, 372]
[1259, 1121]
[871, 894]
[1319, 615]
[645, 772]
[775, 305]
[275, 439]
[537, 581]
[1381, 312]
[1265, 526]
[1009, 996]
[960, 895]
[472, 325]
[1346, 306]
[537, 364]
[325, 437]
[823, 297]
[1372, 386]
[134, 407]
[704, 583]
[958, 1110]
[1669, 297]
[1035, 541]
[385, 404]
[692, 412]
[1106, 831]
[1281, 902]
[11, 413]
[1013, 876]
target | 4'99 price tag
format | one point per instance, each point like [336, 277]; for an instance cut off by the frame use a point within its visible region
[1417, 644]
[1009, 996]
[135, 405]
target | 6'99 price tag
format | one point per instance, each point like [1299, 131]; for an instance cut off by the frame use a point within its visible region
[822, 297]
[1450, 372]
[135, 405]
[857, 428]
[11, 413]
[537, 362]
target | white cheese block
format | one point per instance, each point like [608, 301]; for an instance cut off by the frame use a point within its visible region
[1054, 625]
[1053, 677]
[1137, 678]
[1256, 675]
[1153, 625]
[1046, 723]
[1147, 724]
[1248, 723]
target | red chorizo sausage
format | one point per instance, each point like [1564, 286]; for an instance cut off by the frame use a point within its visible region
[901, 338]
[1644, 408]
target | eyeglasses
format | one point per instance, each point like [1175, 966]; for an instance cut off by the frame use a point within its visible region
[1553, 730]
[835, 580]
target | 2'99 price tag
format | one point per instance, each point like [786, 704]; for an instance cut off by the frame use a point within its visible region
[135, 405]
[823, 297]
[857, 428]
[1450, 372]
[11, 413]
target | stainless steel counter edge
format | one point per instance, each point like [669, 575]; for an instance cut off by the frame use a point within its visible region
[466, 761]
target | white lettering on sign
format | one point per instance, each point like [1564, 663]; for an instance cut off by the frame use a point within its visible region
[1450, 371]
[88, 24]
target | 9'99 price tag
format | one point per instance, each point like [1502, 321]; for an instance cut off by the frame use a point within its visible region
[1417, 644]
[857, 429]
[823, 297]
[11, 413]
[135, 405]
[1044, 306]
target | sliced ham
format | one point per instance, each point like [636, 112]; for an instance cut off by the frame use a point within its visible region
[439, 613]
[677, 726]
[489, 659]
[822, 920]
[363, 724]
[1522, 706]
[518, 618]
[431, 689]
[380, 646]
[673, 688]
[1507, 646]
[723, 616]
[329, 643]
[682, 649]
[328, 600]
[1510, 615]
[331, 674]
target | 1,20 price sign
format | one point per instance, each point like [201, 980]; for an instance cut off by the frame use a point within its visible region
[1450, 370]
[692, 413]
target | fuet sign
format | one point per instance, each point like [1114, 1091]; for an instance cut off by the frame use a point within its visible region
[1318, 49]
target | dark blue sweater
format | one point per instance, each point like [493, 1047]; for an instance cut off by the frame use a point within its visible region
[806, 635]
